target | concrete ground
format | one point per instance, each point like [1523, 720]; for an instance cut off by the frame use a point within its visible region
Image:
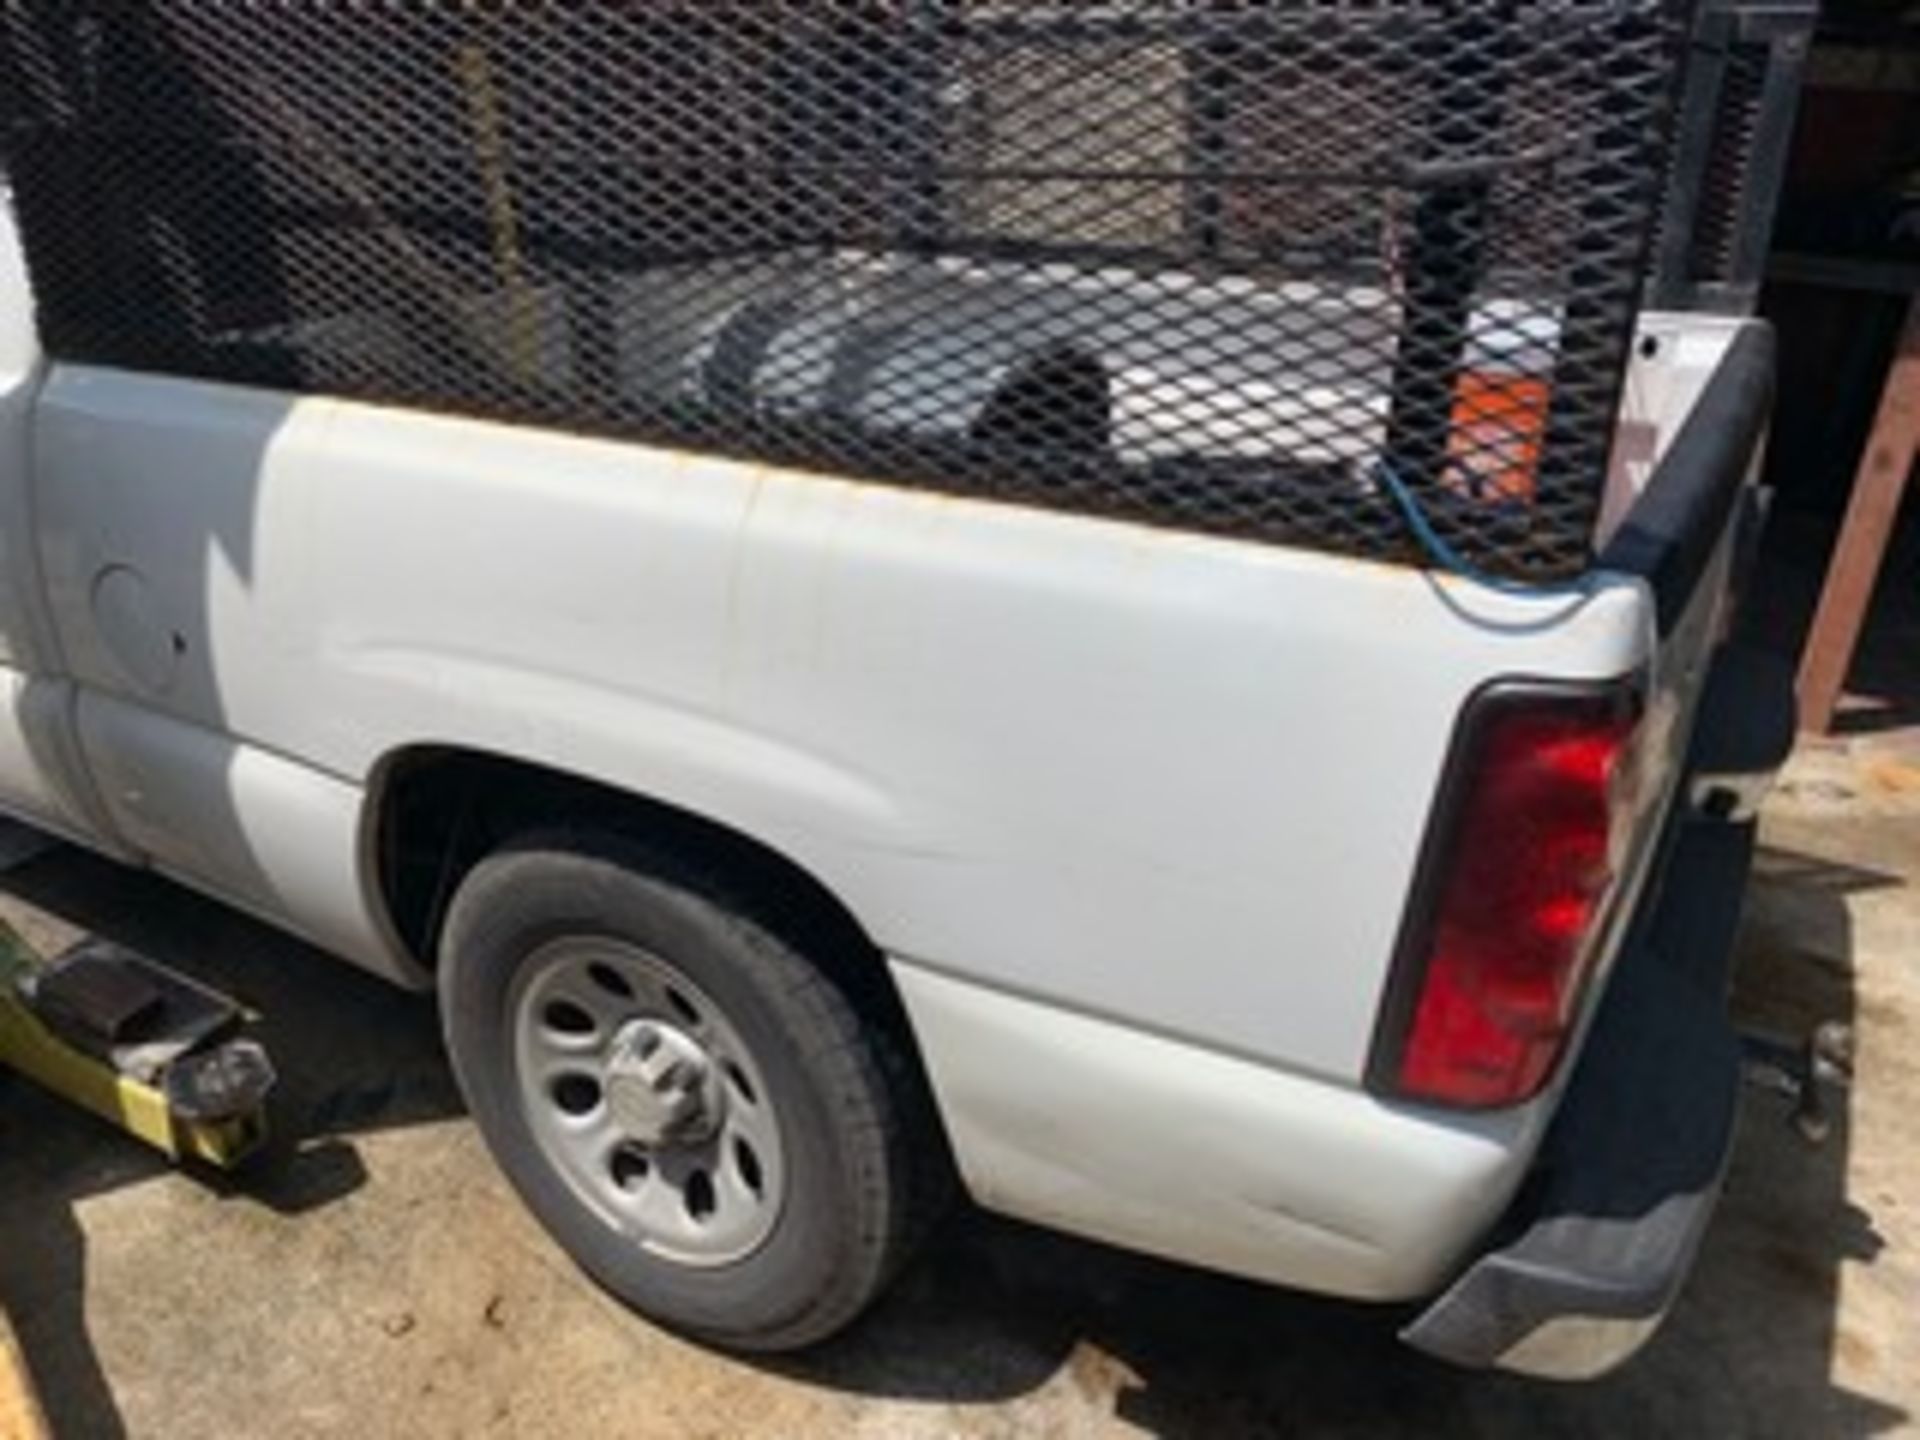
[376, 1278]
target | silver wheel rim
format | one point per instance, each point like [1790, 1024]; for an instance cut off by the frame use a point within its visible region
[644, 1099]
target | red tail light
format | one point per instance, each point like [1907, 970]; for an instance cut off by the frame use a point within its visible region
[1522, 863]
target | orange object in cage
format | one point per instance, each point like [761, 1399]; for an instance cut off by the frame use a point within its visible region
[1499, 426]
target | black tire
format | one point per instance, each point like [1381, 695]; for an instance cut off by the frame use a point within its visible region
[857, 1191]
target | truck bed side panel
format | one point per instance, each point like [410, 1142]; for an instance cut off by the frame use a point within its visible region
[1171, 780]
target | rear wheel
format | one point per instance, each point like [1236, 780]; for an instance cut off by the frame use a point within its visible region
[688, 1102]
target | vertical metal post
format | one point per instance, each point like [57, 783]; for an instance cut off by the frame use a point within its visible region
[923, 52]
[1445, 255]
[1208, 108]
[1693, 145]
[1726, 276]
[1766, 171]
[1596, 323]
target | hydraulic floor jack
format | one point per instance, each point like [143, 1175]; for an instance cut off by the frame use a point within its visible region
[146, 1049]
[149, 1051]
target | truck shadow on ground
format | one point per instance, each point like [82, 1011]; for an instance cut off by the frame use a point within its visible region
[995, 1311]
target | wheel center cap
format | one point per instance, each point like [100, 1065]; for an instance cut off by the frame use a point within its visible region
[662, 1086]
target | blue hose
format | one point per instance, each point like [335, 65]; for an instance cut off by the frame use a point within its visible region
[1443, 553]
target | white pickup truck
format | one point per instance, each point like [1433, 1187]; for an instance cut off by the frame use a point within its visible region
[1117, 601]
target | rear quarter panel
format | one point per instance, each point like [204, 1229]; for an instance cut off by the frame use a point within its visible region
[1175, 781]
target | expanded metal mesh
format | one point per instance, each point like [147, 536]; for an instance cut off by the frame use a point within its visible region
[1746, 61]
[1208, 263]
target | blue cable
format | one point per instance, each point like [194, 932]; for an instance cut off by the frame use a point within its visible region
[1443, 553]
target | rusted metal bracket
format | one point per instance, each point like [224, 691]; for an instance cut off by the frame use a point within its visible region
[1877, 492]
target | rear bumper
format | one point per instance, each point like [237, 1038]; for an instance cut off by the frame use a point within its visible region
[1595, 1250]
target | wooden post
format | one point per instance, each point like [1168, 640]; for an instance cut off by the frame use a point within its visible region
[1877, 491]
[21, 1417]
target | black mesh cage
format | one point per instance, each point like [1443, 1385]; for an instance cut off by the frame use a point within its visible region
[1270, 268]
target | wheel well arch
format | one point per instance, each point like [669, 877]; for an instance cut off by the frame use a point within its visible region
[436, 810]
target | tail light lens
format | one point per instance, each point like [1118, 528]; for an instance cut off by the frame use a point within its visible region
[1523, 861]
